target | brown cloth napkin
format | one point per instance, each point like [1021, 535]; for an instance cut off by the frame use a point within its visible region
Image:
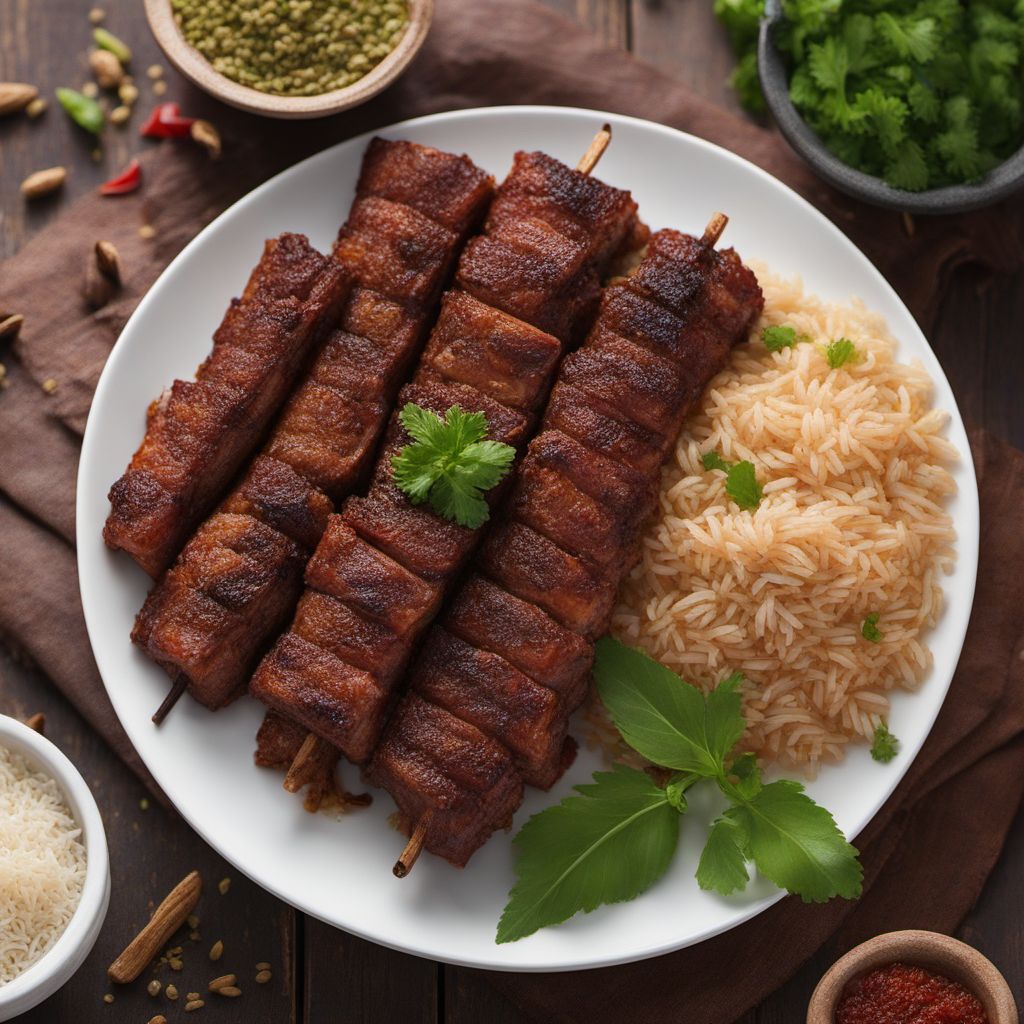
[927, 854]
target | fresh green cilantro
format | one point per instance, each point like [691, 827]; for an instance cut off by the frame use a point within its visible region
[778, 337]
[618, 837]
[449, 464]
[884, 746]
[740, 480]
[840, 352]
[922, 93]
[869, 628]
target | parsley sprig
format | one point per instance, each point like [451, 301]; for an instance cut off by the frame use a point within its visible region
[449, 464]
[618, 836]
[884, 746]
[740, 480]
[922, 93]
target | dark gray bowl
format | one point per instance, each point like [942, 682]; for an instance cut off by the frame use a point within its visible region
[998, 183]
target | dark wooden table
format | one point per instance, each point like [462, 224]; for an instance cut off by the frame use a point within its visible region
[322, 975]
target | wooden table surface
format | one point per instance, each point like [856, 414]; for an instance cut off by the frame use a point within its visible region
[321, 975]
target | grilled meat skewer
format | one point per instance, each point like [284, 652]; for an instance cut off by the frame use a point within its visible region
[571, 526]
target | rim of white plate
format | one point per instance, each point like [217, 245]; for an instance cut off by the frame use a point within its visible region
[967, 531]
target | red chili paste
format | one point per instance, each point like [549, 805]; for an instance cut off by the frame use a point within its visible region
[902, 994]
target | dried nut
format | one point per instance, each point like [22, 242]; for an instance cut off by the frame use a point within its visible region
[16, 96]
[108, 999]
[194, 1004]
[109, 263]
[223, 885]
[166, 920]
[36, 108]
[10, 326]
[263, 966]
[127, 93]
[153, 988]
[147, 231]
[42, 183]
[97, 288]
[263, 977]
[224, 981]
[155, 71]
[171, 991]
[207, 136]
[191, 996]
[158, 1019]
[233, 991]
[49, 386]
[216, 950]
[176, 964]
[120, 115]
[106, 68]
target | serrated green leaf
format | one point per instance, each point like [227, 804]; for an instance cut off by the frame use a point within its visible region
[908, 169]
[607, 845]
[796, 844]
[723, 864]
[840, 352]
[923, 102]
[778, 337]
[664, 719]
[916, 38]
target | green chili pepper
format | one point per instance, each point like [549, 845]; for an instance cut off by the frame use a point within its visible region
[85, 112]
[108, 41]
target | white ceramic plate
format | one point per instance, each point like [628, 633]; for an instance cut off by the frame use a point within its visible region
[341, 871]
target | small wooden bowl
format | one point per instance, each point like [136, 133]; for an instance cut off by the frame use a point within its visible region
[195, 67]
[935, 952]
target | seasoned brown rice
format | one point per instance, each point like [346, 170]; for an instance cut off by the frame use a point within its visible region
[854, 470]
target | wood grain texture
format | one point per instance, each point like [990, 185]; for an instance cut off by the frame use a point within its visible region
[323, 976]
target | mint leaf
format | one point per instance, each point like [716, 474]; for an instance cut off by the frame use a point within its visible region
[449, 464]
[741, 485]
[778, 337]
[884, 746]
[712, 460]
[607, 845]
[869, 628]
[796, 844]
[723, 864]
[839, 352]
[662, 718]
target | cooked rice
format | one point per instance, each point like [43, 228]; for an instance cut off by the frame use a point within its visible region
[42, 864]
[854, 469]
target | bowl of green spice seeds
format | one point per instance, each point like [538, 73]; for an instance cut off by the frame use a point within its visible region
[914, 105]
[290, 58]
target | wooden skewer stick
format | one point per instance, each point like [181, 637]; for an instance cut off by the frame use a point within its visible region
[307, 760]
[595, 150]
[37, 722]
[172, 698]
[413, 848]
[714, 230]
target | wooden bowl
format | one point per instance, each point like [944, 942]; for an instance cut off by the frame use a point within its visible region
[195, 67]
[940, 953]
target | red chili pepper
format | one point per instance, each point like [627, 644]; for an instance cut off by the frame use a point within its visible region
[166, 122]
[127, 181]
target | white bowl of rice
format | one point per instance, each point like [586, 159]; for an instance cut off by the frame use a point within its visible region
[54, 869]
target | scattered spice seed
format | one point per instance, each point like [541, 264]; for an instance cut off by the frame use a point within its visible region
[158, 1019]
[207, 136]
[120, 115]
[106, 68]
[223, 885]
[108, 41]
[147, 231]
[231, 991]
[191, 996]
[42, 183]
[263, 977]
[159, 88]
[15, 96]
[154, 71]
[127, 93]
[171, 991]
[216, 950]
[108, 999]
[10, 326]
[263, 966]
[96, 15]
[176, 964]
[36, 108]
[194, 936]
[222, 982]
[49, 385]
[194, 1004]
[192, 921]
[154, 987]
[82, 109]
[144, 803]
[91, 90]
[109, 263]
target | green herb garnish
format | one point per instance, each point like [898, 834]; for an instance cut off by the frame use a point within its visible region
[840, 352]
[108, 41]
[778, 337]
[869, 628]
[449, 464]
[82, 109]
[922, 93]
[740, 480]
[884, 746]
[618, 837]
